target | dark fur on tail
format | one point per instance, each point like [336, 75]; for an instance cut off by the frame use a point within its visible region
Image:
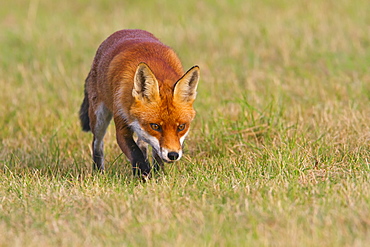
[84, 113]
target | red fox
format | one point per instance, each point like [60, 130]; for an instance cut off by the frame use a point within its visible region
[140, 82]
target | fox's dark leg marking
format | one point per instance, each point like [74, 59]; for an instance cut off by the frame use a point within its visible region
[158, 162]
[139, 162]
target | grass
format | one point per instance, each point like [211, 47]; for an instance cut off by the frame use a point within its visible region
[279, 153]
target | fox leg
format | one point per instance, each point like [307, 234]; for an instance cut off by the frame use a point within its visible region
[124, 135]
[143, 147]
[158, 162]
[100, 118]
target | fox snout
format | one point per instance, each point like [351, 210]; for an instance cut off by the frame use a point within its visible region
[173, 155]
[170, 156]
[166, 144]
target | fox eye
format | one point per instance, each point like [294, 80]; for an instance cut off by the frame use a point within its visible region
[155, 126]
[181, 127]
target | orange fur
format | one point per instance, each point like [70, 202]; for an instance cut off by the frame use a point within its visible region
[139, 82]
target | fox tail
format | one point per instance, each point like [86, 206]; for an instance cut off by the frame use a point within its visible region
[84, 113]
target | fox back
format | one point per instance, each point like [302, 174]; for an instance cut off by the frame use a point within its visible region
[139, 82]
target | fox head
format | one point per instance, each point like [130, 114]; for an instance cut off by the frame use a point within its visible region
[162, 114]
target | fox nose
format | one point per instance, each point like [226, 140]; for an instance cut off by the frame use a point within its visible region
[173, 155]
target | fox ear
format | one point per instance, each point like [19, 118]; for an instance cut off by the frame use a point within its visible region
[145, 84]
[186, 88]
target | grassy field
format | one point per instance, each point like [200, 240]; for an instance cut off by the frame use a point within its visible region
[279, 153]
